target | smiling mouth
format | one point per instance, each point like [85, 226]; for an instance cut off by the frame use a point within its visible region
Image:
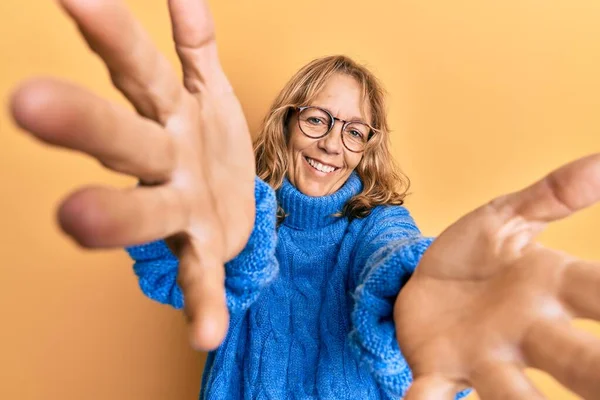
[327, 169]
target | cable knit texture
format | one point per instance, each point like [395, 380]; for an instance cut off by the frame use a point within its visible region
[311, 301]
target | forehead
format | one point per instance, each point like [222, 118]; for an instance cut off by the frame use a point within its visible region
[343, 96]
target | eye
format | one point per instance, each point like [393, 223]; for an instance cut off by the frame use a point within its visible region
[315, 121]
[356, 134]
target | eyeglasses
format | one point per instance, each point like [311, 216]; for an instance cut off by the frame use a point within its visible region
[316, 123]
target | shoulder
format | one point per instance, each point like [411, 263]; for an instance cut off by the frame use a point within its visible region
[378, 234]
[384, 216]
[386, 211]
[385, 224]
[263, 193]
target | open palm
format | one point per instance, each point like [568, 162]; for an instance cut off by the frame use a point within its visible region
[188, 144]
[486, 300]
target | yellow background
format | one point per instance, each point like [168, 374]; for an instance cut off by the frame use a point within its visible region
[486, 97]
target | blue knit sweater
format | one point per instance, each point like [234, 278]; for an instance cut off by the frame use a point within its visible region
[311, 301]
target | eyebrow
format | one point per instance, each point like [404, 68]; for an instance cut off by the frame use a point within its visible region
[352, 119]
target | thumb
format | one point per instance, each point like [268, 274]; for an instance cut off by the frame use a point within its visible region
[570, 188]
[202, 281]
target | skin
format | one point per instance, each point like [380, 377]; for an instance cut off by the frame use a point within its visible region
[187, 127]
[485, 302]
[502, 301]
[341, 96]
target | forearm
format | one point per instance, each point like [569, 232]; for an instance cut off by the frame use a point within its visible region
[246, 274]
[156, 268]
[373, 338]
[256, 266]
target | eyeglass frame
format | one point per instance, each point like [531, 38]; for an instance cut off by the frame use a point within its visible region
[332, 124]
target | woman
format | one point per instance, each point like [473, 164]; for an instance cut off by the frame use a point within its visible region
[302, 308]
[316, 303]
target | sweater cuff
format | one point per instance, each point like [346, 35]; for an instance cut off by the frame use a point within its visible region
[157, 267]
[256, 266]
[373, 337]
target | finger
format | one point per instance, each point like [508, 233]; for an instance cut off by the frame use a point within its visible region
[432, 387]
[566, 190]
[580, 289]
[202, 279]
[501, 381]
[65, 115]
[194, 35]
[570, 355]
[106, 217]
[137, 68]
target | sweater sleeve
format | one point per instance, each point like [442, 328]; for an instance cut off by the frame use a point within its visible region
[254, 268]
[388, 250]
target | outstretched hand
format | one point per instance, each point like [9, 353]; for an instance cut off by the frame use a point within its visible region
[188, 144]
[487, 300]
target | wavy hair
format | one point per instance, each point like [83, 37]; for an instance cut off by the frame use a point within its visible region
[383, 182]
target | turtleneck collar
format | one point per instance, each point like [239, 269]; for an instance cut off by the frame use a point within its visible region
[306, 212]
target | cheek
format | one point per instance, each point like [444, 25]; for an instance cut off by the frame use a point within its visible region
[352, 159]
[298, 142]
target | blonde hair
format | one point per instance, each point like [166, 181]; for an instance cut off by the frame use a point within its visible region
[383, 182]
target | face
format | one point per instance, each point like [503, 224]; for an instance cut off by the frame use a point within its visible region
[319, 167]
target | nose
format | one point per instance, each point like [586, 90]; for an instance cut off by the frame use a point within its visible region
[332, 142]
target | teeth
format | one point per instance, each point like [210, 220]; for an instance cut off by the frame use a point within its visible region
[319, 166]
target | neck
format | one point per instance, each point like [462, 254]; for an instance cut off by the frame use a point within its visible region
[306, 212]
